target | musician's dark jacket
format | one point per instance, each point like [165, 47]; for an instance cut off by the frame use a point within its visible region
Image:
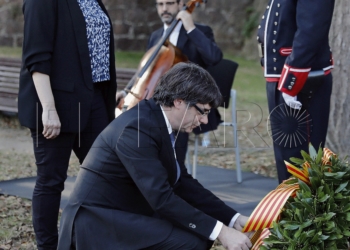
[64, 56]
[125, 195]
[199, 46]
[294, 39]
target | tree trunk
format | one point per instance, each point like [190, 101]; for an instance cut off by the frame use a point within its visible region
[338, 139]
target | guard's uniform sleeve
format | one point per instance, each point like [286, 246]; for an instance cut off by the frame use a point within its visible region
[313, 19]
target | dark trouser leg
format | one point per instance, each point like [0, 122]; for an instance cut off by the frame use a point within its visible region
[181, 240]
[98, 120]
[52, 158]
[319, 113]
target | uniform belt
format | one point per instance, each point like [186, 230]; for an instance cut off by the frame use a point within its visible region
[312, 74]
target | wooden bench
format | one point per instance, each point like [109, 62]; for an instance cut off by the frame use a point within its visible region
[9, 82]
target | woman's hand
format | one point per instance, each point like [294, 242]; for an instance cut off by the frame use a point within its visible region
[50, 119]
[51, 122]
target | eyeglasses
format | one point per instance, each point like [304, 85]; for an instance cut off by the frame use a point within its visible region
[168, 4]
[201, 111]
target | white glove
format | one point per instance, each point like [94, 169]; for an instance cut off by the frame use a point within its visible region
[291, 101]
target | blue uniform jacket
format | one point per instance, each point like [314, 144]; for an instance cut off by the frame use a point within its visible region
[293, 35]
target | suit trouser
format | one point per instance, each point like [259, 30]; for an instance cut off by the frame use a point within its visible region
[52, 160]
[318, 108]
[181, 240]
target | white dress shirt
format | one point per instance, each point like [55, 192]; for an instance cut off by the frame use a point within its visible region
[174, 36]
[215, 233]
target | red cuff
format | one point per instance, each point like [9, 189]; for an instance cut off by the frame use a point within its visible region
[292, 79]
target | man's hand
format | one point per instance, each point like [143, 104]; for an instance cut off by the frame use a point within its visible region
[291, 101]
[233, 239]
[186, 19]
[240, 223]
[120, 99]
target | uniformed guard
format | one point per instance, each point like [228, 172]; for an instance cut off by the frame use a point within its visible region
[297, 63]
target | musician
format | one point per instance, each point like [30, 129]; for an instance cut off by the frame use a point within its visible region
[196, 41]
[131, 193]
[296, 57]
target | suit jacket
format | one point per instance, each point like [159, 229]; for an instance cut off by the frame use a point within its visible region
[127, 189]
[199, 46]
[294, 39]
[55, 43]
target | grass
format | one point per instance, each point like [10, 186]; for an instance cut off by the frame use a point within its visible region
[249, 81]
[10, 52]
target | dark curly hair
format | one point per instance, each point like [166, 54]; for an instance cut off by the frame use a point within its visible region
[190, 83]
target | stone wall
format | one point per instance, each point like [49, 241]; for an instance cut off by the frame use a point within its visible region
[11, 23]
[234, 22]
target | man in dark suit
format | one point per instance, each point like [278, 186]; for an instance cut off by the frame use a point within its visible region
[132, 191]
[197, 42]
[293, 38]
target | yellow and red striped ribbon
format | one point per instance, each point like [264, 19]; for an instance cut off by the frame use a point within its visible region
[260, 240]
[268, 211]
[272, 204]
[327, 154]
[298, 173]
[269, 208]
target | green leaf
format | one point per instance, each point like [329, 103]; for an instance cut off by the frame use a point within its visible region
[297, 161]
[306, 224]
[277, 230]
[346, 233]
[337, 175]
[341, 187]
[304, 187]
[291, 181]
[347, 216]
[316, 237]
[313, 153]
[346, 208]
[319, 155]
[311, 233]
[324, 198]
[306, 156]
[291, 225]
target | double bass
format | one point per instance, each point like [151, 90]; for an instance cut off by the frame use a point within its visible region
[157, 60]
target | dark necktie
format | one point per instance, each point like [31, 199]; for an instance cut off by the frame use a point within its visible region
[172, 138]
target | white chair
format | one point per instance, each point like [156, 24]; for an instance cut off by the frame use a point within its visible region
[232, 124]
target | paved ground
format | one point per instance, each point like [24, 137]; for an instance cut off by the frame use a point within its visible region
[243, 197]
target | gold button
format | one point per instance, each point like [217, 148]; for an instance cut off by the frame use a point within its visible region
[276, 23]
[278, 5]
